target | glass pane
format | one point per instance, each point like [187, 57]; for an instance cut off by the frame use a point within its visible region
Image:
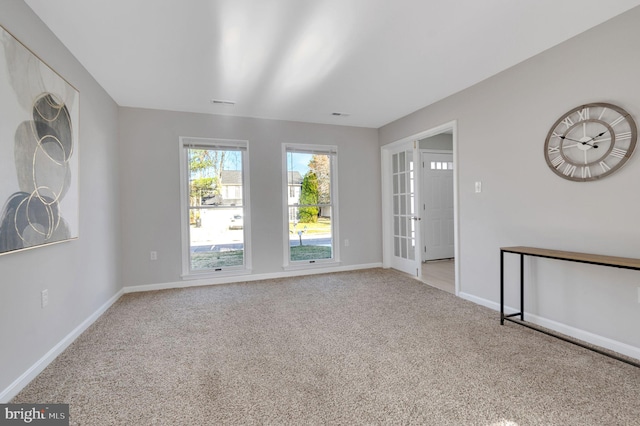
[412, 250]
[310, 214]
[215, 177]
[216, 215]
[309, 178]
[396, 246]
[216, 238]
[401, 162]
[311, 240]
[394, 162]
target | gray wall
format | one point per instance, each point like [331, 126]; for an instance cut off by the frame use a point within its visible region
[502, 125]
[150, 188]
[81, 275]
[441, 142]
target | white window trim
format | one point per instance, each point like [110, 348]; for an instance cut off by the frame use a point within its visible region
[288, 265]
[187, 273]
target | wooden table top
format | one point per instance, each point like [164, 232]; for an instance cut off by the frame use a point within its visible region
[597, 259]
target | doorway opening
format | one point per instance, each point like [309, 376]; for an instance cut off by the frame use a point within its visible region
[437, 206]
[432, 216]
[440, 274]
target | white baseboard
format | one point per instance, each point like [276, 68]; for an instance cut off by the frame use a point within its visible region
[246, 278]
[14, 388]
[576, 333]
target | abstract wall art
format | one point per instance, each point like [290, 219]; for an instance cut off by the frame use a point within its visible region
[39, 115]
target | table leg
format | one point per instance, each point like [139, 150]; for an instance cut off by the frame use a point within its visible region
[501, 287]
[522, 287]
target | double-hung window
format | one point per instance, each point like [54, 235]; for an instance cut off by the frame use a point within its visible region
[310, 206]
[215, 206]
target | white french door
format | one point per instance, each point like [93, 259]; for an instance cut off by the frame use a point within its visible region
[404, 228]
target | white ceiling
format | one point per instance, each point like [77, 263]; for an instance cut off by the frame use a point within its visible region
[302, 60]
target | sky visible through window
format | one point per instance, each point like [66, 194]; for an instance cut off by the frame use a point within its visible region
[298, 162]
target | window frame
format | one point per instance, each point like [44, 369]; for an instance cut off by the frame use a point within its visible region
[331, 150]
[186, 142]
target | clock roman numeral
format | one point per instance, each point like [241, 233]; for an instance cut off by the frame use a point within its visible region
[586, 172]
[567, 122]
[569, 170]
[602, 113]
[618, 153]
[553, 150]
[616, 121]
[557, 162]
[604, 166]
[555, 135]
[584, 114]
[623, 135]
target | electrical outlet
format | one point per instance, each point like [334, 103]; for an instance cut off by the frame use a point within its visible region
[154, 255]
[478, 187]
[44, 298]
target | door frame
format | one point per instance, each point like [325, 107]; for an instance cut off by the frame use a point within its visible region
[387, 217]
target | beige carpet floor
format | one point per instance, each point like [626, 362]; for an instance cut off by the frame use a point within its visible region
[363, 347]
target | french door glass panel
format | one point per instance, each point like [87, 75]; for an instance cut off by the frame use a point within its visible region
[404, 227]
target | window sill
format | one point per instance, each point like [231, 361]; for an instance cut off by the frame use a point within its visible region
[308, 265]
[215, 274]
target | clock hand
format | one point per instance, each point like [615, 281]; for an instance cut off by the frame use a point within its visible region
[597, 136]
[580, 142]
[569, 139]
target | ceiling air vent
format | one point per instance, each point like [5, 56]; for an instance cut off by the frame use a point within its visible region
[340, 114]
[222, 102]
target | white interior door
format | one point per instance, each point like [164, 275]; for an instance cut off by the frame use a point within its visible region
[437, 206]
[405, 229]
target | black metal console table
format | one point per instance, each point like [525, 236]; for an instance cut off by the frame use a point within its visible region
[593, 259]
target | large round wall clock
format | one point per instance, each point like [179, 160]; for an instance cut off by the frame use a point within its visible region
[590, 142]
